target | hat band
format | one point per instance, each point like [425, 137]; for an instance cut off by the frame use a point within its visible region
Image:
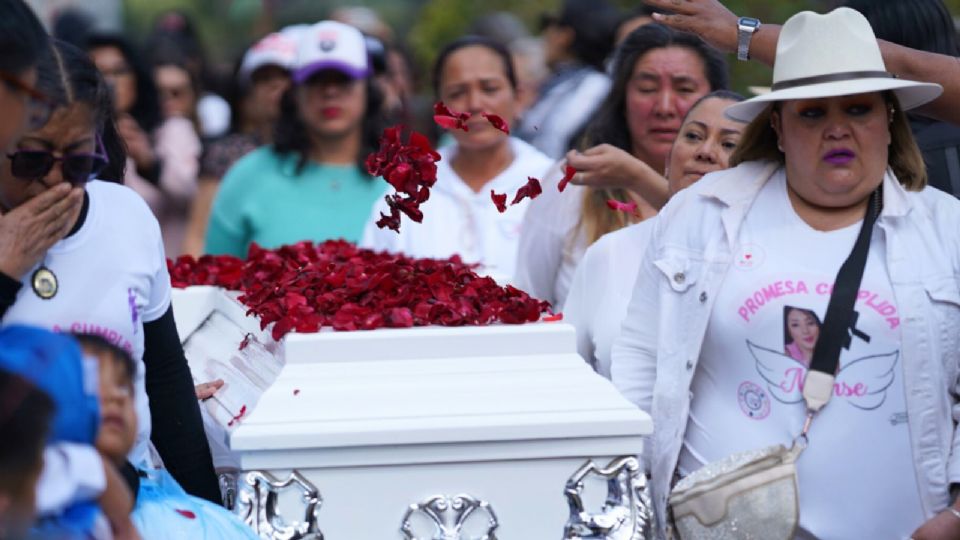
[832, 77]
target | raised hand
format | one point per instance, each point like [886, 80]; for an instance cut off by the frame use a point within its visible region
[28, 231]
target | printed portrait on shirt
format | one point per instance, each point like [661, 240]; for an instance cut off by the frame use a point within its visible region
[801, 328]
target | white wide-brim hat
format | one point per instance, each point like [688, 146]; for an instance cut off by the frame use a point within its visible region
[831, 55]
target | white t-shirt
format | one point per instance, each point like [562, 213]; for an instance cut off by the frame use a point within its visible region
[601, 290]
[551, 245]
[112, 276]
[457, 220]
[857, 477]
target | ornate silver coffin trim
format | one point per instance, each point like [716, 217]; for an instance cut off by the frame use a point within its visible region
[449, 516]
[257, 500]
[626, 512]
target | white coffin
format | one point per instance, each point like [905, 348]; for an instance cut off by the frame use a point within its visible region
[381, 420]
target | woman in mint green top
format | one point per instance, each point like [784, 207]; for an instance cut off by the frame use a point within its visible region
[309, 184]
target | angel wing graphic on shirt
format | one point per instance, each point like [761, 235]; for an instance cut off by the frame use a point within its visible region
[862, 382]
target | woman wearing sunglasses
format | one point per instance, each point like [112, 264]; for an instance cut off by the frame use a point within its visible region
[107, 274]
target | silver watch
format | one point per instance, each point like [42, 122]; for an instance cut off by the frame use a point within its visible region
[746, 26]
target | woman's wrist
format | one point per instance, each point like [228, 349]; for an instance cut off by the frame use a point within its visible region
[648, 184]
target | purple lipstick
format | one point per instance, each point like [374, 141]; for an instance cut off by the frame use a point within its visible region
[839, 156]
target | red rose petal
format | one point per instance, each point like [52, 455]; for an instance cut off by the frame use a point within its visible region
[499, 199]
[245, 342]
[448, 119]
[296, 391]
[568, 174]
[619, 206]
[186, 513]
[529, 190]
[497, 122]
[449, 122]
[553, 318]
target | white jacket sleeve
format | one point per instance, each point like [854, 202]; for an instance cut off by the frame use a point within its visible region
[634, 357]
[71, 473]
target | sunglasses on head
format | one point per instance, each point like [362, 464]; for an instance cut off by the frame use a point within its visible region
[77, 168]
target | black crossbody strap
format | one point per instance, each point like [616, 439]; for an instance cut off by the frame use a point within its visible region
[841, 318]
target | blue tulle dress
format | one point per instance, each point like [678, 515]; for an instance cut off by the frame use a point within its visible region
[165, 511]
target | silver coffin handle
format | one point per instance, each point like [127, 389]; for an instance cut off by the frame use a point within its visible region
[449, 516]
[626, 512]
[257, 500]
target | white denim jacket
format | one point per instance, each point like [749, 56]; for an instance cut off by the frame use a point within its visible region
[656, 355]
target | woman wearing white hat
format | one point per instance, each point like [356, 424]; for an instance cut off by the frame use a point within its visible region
[827, 154]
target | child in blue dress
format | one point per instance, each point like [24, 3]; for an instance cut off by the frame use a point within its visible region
[163, 510]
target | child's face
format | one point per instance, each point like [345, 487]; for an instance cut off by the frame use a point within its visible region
[118, 419]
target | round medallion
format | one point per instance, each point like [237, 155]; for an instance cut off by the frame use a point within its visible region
[44, 283]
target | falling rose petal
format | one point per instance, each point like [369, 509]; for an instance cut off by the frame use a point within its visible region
[449, 122]
[245, 342]
[619, 206]
[186, 513]
[448, 119]
[497, 122]
[499, 199]
[553, 318]
[568, 174]
[390, 222]
[296, 391]
[530, 190]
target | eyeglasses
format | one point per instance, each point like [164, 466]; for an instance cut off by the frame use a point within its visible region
[78, 167]
[39, 106]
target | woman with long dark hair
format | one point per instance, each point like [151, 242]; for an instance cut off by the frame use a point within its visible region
[658, 75]
[309, 184]
[106, 273]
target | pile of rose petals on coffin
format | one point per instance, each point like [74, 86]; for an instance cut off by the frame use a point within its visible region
[305, 287]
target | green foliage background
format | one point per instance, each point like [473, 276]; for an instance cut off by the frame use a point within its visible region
[228, 26]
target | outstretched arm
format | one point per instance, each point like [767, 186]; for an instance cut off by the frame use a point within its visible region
[717, 25]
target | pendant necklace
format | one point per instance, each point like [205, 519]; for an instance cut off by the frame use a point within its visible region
[44, 282]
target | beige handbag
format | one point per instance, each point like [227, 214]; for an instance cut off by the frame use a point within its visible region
[754, 494]
[761, 484]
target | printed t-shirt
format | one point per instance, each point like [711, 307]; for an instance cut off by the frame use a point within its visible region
[112, 276]
[857, 477]
[458, 220]
[262, 199]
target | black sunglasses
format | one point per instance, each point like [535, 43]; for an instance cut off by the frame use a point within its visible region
[39, 106]
[78, 167]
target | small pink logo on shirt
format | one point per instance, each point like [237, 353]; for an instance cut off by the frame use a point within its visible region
[751, 256]
[753, 400]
